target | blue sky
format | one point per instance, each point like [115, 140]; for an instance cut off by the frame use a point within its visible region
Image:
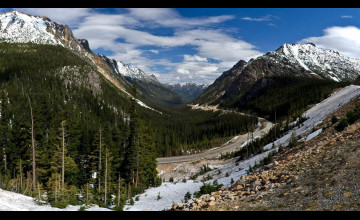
[196, 44]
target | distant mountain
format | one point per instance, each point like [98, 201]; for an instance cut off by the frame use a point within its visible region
[188, 90]
[306, 60]
[151, 90]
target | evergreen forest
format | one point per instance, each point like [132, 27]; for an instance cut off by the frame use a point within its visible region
[288, 96]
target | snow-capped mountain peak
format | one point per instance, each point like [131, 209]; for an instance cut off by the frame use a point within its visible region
[18, 27]
[189, 90]
[132, 71]
[316, 60]
[127, 70]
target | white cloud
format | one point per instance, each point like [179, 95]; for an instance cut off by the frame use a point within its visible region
[343, 39]
[170, 18]
[69, 16]
[190, 58]
[154, 51]
[272, 25]
[346, 16]
[183, 71]
[263, 18]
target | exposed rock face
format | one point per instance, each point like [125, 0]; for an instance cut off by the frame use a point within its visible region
[111, 62]
[84, 43]
[128, 71]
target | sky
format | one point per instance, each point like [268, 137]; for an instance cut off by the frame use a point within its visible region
[199, 44]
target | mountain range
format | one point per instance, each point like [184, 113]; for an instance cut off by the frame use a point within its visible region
[19, 27]
[306, 60]
[72, 120]
[188, 90]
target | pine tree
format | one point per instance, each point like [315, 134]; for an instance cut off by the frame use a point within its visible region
[33, 146]
[131, 152]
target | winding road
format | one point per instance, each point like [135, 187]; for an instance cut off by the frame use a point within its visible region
[215, 152]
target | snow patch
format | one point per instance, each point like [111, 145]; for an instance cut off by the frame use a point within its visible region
[11, 201]
[314, 134]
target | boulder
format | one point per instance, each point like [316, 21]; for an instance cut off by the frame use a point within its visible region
[212, 203]
[239, 187]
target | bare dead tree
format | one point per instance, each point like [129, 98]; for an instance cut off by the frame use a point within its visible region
[33, 146]
[106, 171]
[100, 160]
[119, 191]
[63, 156]
[20, 169]
[5, 159]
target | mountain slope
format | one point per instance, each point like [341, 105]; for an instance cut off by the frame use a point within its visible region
[19, 27]
[290, 59]
[318, 172]
[188, 90]
[151, 90]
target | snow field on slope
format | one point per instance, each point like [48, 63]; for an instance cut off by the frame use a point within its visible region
[174, 193]
[319, 112]
[11, 201]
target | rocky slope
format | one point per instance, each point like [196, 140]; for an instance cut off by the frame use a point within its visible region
[290, 59]
[128, 71]
[320, 173]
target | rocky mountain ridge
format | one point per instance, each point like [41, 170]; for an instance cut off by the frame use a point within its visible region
[306, 60]
[127, 70]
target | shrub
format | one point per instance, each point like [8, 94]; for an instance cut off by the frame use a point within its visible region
[208, 188]
[132, 202]
[187, 196]
[334, 119]
[293, 141]
[158, 196]
[342, 124]
[204, 169]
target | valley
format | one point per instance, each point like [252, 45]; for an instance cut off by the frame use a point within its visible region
[135, 126]
[236, 143]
